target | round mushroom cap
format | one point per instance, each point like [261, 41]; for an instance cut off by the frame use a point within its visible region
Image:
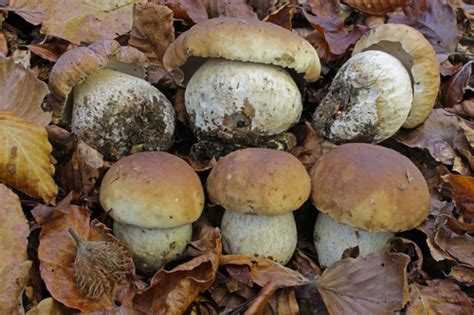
[368, 100]
[272, 237]
[419, 58]
[259, 181]
[370, 187]
[117, 113]
[153, 248]
[248, 40]
[241, 102]
[331, 239]
[76, 65]
[152, 190]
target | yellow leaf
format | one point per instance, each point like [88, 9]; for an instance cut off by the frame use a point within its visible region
[14, 263]
[25, 157]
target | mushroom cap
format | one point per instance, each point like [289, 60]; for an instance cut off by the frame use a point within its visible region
[76, 65]
[370, 187]
[117, 113]
[153, 248]
[241, 102]
[259, 181]
[152, 190]
[247, 40]
[368, 100]
[419, 58]
[272, 237]
[331, 239]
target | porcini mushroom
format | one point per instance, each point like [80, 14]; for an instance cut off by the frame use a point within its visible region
[368, 100]
[112, 107]
[245, 95]
[259, 188]
[153, 198]
[362, 189]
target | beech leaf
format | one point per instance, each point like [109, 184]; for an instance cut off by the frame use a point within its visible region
[462, 192]
[25, 161]
[14, 264]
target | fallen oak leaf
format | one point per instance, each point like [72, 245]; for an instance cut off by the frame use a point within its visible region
[14, 265]
[25, 161]
[344, 286]
[22, 93]
[438, 297]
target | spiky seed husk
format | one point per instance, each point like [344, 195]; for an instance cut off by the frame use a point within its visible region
[99, 266]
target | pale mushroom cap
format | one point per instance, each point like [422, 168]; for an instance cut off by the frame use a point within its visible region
[368, 101]
[152, 190]
[419, 58]
[259, 181]
[117, 113]
[245, 40]
[272, 237]
[153, 248]
[240, 101]
[370, 187]
[331, 239]
[76, 65]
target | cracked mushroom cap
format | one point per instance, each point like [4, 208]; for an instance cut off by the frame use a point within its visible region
[152, 190]
[244, 40]
[76, 65]
[370, 187]
[419, 58]
[259, 181]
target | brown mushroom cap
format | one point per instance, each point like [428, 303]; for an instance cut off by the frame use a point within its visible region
[244, 40]
[76, 65]
[152, 190]
[370, 187]
[259, 181]
[419, 58]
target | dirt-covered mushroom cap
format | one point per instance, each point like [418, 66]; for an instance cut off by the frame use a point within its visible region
[241, 102]
[247, 40]
[419, 58]
[152, 190]
[259, 181]
[370, 187]
[272, 237]
[368, 101]
[113, 109]
[331, 239]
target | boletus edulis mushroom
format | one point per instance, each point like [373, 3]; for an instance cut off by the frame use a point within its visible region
[153, 198]
[259, 188]
[241, 91]
[365, 194]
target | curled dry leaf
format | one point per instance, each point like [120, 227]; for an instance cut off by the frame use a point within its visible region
[22, 94]
[462, 274]
[191, 11]
[312, 147]
[152, 31]
[283, 16]
[462, 192]
[238, 8]
[465, 109]
[454, 91]
[50, 307]
[438, 297]
[57, 253]
[172, 292]
[78, 21]
[25, 161]
[351, 294]
[14, 264]
[411, 249]
[376, 7]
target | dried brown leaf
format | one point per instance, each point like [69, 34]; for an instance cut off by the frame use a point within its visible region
[283, 302]
[3, 44]
[48, 51]
[456, 86]
[57, 252]
[32, 11]
[438, 210]
[25, 161]
[462, 192]
[376, 7]
[49, 306]
[345, 287]
[439, 297]
[462, 274]
[152, 30]
[14, 264]
[311, 149]
[22, 94]
[283, 16]
[445, 244]
[172, 292]
[465, 109]
[238, 8]
[191, 11]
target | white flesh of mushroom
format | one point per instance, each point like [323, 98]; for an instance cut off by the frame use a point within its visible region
[272, 237]
[331, 239]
